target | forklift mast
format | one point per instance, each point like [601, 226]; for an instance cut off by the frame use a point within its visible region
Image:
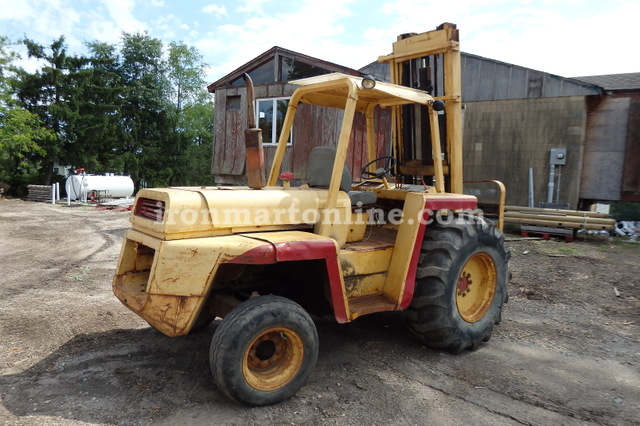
[428, 61]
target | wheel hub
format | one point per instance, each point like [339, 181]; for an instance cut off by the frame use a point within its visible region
[266, 351]
[476, 287]
[463, 283]
[273, 359]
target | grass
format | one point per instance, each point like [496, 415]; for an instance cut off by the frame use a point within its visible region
[621, 245]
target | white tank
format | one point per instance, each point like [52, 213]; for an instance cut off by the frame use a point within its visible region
[78, 187]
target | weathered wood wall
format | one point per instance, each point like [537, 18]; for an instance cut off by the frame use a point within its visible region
[502, 139]
[612, 149]
[605, 148]
[314, 126]
[631, 173]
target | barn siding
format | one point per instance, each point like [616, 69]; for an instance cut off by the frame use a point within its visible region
[604, 155]
[631, 174]
[357, 155]
[227, 158]
[502, 139]
[513, 116]
[228, 154]
[314, 126]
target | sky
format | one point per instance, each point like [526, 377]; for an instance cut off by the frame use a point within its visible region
[564, 37]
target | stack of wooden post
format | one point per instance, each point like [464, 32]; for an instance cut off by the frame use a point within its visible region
[39, 192]
[548, 222]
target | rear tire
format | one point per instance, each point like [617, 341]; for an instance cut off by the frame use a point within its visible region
[461, 284]
[264, 350]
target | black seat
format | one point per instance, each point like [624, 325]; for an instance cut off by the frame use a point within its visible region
[321, 162]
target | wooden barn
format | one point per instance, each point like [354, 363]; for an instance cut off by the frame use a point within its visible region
[515, 122]
[270, 73]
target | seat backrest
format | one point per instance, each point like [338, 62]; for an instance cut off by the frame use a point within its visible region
[321, 162]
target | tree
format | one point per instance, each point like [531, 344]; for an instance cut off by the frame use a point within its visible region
[46, 94]
[193, 116]
[140, 110]
[186, 75]
[21, 132]
[144, 119]
[96, 104]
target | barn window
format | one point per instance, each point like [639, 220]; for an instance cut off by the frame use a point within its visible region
[271, 114]
[291, 69]
[233, 103]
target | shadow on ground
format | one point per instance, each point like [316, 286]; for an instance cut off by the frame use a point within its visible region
[141, 376]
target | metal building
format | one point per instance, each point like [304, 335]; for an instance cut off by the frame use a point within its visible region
[512, 118]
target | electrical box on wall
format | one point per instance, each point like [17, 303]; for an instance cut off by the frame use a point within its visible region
[558, 156]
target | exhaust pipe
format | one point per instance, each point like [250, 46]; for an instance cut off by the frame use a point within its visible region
[253, 142]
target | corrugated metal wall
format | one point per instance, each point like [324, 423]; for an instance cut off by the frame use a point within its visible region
[502, 139]
[513, 116]
[485, 79]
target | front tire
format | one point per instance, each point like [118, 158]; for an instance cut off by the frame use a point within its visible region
[461, 284]
[264, 350]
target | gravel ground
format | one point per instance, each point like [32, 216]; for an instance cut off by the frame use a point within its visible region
[566, 352]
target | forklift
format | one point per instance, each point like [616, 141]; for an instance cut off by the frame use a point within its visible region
[268, 257]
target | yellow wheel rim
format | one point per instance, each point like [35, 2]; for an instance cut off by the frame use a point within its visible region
[273, 359]
[476, 287]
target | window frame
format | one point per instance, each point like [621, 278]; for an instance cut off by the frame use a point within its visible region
[274, 130]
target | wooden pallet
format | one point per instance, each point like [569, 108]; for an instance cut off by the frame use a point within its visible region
[547, 232]
[39, 193]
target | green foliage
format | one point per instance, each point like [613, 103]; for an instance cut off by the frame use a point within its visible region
[21, 137]
[192, 117]
[625, 211]
[138, 108]
[22, 133]
[48, 93]
[95, 106]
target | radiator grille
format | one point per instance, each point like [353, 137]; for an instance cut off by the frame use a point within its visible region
[150, 209]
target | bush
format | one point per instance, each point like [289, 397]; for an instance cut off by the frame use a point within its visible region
[623, 211]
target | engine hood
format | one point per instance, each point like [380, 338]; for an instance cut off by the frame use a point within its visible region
[186, 212]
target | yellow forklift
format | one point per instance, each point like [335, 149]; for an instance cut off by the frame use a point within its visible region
[266, 257]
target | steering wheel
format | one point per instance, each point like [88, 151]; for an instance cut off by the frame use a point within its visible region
[389, 165]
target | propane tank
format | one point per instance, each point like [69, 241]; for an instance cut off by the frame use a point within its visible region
[79, 186]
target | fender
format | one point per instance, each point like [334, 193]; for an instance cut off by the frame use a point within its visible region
[290, 246]
[432, 204]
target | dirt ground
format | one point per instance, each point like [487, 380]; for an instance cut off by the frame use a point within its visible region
[566, 352]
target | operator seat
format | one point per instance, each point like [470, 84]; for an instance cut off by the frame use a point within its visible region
[321, 162]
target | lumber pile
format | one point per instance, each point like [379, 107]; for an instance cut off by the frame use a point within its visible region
[39, 193]
[555, 218]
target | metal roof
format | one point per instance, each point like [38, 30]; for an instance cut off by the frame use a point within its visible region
[485, 79]
[628, 81]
